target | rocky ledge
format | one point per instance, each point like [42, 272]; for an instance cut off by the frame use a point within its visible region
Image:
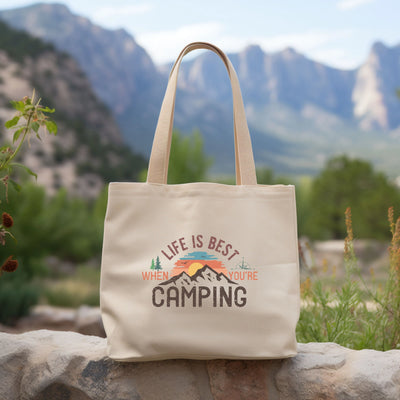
[47, 365]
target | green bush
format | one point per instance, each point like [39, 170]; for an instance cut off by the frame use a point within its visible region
[60, 226]
[70, 229]
[187, 162]
[16, 298]
[67, 228]
[343, 183]
[355, 314]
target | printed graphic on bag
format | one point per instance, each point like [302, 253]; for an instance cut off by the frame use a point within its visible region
[206, 273]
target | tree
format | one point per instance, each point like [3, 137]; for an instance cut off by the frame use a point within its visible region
[343, 183]
[153, 266]
[158, 264]
[265, 176]
[187, 161]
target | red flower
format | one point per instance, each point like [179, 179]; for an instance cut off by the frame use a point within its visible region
[9, 265]
[8, 221]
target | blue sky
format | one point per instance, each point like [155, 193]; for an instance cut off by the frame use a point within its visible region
[336, 32]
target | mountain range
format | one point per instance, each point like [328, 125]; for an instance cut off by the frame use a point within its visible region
[300, 112]
[203, 276]
[89, 150]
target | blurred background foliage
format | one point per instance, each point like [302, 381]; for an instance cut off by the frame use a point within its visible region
[60, 237]
[349, 183]
[55, 234]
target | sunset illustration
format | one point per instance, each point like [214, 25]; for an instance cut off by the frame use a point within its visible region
[194, 267]
[192, 262]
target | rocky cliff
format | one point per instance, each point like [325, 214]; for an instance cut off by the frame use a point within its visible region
[89, 148]
[121, 72]
[376, 104]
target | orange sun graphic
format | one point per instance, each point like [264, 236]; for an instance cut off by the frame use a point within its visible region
[194, 267]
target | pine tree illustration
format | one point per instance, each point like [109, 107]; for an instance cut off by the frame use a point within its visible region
[158, 264]
[152, 264]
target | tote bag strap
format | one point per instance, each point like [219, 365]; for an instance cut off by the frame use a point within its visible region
[159, 158]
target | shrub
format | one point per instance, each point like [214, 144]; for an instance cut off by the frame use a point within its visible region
[355, 315]
[60, 226]
[343, 183]
[16, 298]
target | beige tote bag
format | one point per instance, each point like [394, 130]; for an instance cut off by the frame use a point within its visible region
[200, 270]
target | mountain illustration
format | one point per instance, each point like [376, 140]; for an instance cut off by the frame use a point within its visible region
[182, 279]
[204, 275]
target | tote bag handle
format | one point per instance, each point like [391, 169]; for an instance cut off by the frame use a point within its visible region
[159, 158]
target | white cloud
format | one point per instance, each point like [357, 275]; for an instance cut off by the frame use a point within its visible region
[304, 41]
[104, 14]
[350, 4]
[325, 46]
[335, 57]
[165, 45]
[322, 45]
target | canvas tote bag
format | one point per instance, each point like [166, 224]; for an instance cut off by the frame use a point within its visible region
[200, 270]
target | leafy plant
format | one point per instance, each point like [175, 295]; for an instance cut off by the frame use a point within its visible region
[16, 295]
[354, 315]
[389, 303]
[29, 118]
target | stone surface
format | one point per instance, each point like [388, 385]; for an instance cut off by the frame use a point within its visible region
[46, 365]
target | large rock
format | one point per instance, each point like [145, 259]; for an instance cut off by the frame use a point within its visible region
[46, 365]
